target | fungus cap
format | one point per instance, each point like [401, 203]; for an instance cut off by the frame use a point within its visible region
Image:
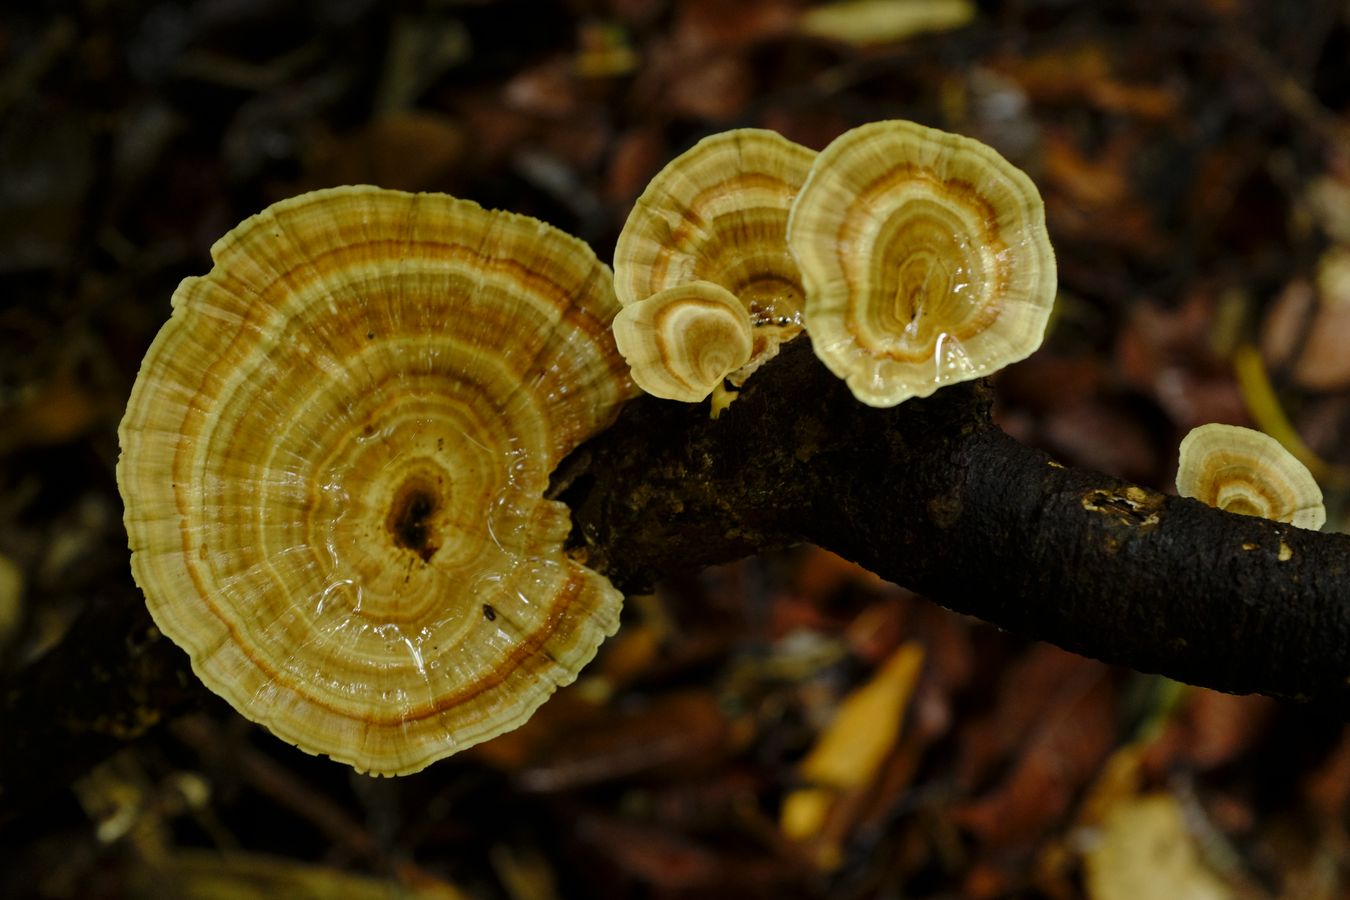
[925, 260]
[718, 213]
[681, 342]
[1248, 472]
[333, 465]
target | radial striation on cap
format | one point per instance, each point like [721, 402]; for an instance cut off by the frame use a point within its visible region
[1248, 472]
[333, 465]
[718, 213]
[680, 343]
[925, 260]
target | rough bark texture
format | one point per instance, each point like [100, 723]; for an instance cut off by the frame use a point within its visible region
[933, 496]
[929, 494]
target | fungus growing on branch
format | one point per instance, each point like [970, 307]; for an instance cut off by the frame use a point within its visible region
[718, 213]
[925, 260]
[681, 342]
[333, 465]
[1248, 472]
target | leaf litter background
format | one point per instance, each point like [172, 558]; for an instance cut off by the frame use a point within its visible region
[784, 727]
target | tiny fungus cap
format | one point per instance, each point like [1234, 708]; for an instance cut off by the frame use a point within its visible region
[718, 212]
[681, 342]
[925, 260]
[333, 465]
[1248, 472]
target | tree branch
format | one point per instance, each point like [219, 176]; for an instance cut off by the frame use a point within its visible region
[930, 494]
[933, 496]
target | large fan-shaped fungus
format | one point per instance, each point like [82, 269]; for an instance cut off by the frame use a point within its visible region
[718, 213]
[333, 464]
[1248, 472]
[925, 260]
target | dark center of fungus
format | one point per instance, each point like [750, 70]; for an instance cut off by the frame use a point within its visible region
[410, 520]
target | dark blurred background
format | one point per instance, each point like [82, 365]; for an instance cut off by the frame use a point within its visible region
[1195, 162]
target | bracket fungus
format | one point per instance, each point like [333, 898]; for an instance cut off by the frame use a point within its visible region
[680, 343]
[1248, 472]
[334, 460]
[718, 213]
[925, 260]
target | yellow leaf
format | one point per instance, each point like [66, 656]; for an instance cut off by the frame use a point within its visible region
[1265, 408]
[1146, 851]
[850, 751]
[864, 22]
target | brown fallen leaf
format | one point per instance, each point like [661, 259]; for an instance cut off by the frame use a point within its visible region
[1061, 752]
[705, 24]
[637, 155]
[716, 88]
[820, 573]
[1089, 198]
[875, 632]
[1025, 691]
[57, 411]
[1210, 730]
[1170, 354]
[1084, 73]
[1308, 336]
[548, 90]
[1045, 381]
[1102, 437]
[672, 733]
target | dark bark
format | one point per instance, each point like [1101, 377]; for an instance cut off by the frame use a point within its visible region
[933, 496]
[929, 494]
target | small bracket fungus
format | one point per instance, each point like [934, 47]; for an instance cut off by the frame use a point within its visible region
[1247, 472]
[333, 465]
[718, 213]
[925, 260]
[681, 342]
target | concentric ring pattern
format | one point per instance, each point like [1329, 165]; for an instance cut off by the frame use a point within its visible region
[681, 342]
[333, 465]
[924, 257]
[1248, 472]
[718, 213]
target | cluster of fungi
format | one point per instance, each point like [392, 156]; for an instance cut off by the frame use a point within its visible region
[335, 456]
[913, 258]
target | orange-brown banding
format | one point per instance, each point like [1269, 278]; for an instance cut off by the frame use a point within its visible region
[1250, 473]
[319, 444]
[681, 342]
[718, 213]
[890, 200]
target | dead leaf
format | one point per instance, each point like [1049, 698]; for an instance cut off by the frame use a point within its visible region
[673, 732]
[1145, 850]
[1211, 730]
[865, 23]
[705, 24]
[715, 88]
[850, 751]
[1069, 741]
